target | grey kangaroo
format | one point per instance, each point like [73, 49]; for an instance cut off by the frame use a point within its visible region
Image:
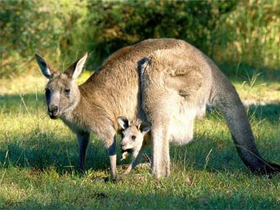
[177, 81]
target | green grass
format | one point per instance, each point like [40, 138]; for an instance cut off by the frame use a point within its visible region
[38, 157]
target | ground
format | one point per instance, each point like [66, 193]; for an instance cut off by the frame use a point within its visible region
[38, 157]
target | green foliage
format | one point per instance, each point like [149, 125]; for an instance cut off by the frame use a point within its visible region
[251, 34]
[231, 32]
[34, 26]
[123, 23]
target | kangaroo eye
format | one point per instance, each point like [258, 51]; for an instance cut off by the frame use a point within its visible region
[133, 137]
[67, 90]
[48, 92]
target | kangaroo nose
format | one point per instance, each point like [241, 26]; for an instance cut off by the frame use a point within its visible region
[122, 144]
[53, 111]
[53, 108]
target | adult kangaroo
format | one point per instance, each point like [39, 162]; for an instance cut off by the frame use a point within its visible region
[177, 80]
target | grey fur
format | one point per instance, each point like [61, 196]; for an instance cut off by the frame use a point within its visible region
[176, 80]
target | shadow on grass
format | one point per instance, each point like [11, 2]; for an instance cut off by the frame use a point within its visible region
[269, 112]
[218, 155]
[44, 151]
[47, 151]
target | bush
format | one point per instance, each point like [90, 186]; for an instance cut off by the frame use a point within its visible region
[35, 26]
[228, 31]
[119, 24]
[251, 34]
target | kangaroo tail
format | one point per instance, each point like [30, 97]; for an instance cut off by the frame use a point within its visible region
[225, 97]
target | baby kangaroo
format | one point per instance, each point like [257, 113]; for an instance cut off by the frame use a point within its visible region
[134, 137]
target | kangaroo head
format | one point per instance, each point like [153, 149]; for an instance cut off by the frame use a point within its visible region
[62, 93]
[132, 133]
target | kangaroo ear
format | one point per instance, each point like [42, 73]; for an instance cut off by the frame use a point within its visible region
[46, 69]
[145, 127]
[76, 68]
[123, 122]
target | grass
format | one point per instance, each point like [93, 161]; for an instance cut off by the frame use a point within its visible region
[38, 157]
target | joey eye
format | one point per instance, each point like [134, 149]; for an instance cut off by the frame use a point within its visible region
[133, 137]
[67, 90]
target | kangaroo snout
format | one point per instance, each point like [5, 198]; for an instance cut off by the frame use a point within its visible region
[122, 145]
[125, 146]
[53, 111]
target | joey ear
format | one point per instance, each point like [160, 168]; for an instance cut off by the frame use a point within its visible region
[46, 69]
[76, 68]
[123, 122]
[145, 127]
[139, 124]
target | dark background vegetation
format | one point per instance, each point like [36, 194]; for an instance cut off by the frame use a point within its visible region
[233, 33]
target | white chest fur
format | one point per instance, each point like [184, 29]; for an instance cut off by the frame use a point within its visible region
[181, 124]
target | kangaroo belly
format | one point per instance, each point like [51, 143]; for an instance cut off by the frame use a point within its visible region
[181, 125]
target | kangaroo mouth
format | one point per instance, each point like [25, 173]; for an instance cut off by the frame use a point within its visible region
[54, 116]
[127, 150]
